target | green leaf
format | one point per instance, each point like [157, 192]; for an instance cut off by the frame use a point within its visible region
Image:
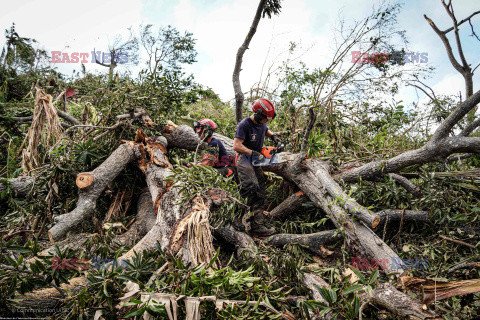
[351, 289]
[135, 312]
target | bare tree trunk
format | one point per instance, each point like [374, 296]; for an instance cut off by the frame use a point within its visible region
[238, 62]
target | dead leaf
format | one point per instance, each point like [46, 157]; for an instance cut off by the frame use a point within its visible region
[353, 277]
[325, 252]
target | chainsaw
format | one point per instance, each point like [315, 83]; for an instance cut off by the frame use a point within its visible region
[272, 156]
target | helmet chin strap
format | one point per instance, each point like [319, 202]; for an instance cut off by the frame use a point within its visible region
[257, 117]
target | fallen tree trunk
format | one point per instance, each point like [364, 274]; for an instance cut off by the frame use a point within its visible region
[312, 241]
[314, 179]
[184, 137]
[88, 195]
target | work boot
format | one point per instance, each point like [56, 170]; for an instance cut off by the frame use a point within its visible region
[257, 225]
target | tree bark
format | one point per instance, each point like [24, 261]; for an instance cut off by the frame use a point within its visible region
[289, 206]
[312, 241]
[397, 302]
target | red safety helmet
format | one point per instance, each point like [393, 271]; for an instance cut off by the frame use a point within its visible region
[264, 108]
[205, 125]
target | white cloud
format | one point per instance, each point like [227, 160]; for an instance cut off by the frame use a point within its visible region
[220, 29]
[72, 26]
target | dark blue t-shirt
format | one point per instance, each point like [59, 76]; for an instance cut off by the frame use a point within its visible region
[216, 148]
[252, 134]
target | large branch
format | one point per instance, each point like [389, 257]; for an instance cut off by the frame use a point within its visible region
[397, 302]
[447, 125]
[389, 215]
[88, 196]
[337, 193]
[425, 154]
[19, 186]
[241, 241]
[313, 241]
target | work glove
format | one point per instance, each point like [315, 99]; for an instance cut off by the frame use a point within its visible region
[257, 155]
[276, 140]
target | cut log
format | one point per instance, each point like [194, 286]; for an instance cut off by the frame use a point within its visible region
[312, 241]
[84, 180]
[289, 206]
[102, 175]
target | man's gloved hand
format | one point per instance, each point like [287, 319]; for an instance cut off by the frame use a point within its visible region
[258, 155]
[276, 140]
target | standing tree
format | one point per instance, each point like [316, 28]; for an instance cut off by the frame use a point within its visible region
[121, 51]
[167, 48]
[463, 66]
[267, 7]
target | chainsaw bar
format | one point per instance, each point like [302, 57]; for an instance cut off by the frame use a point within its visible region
[277, 158]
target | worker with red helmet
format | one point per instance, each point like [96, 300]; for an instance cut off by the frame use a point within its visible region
[248, 143]
[216, 155]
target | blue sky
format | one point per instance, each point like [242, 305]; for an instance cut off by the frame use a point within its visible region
[220, 27]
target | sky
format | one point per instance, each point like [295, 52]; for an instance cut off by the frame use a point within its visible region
[219, 28]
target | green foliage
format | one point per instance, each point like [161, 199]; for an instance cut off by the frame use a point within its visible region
[342, 299]
[196, 180]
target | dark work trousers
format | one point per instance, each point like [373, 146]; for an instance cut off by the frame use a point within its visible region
[252, 182]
